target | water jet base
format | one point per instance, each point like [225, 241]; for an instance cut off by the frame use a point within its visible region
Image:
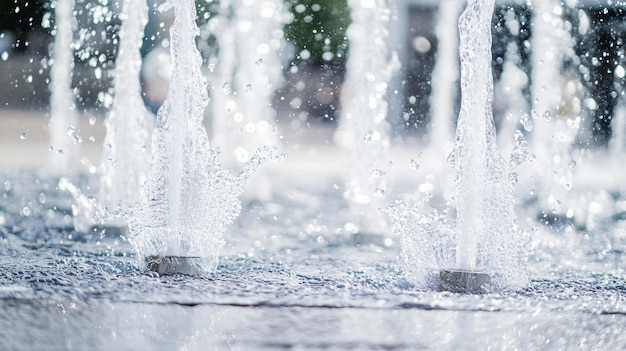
[165, 265]
[463, 282]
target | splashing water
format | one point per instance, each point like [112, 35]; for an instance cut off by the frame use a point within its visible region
[63, 117]
[126, 152]
[363, 129]
[188, 200]
[485, 235]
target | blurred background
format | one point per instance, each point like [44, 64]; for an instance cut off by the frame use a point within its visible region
[313, 51]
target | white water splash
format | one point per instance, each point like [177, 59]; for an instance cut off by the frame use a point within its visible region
[188, 200]
[363, 128]
[126, 149]
[63, 117]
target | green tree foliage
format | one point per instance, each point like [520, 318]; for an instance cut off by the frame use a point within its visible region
[318, 29]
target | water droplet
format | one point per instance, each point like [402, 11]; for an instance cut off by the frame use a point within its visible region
[534, 114]
[379, 192]
[451, 158]
[378, 173]
[5, 56]
[78, 139]
[226, 89]
[414, 165]
[547, 115]
[92, 139]
[71, 130]
[509, 115]
[248, 88]
[526, 122]
[26, 211]
[41, 198]
[60, 152]
[92, 120]
[572, 164]
[368, 136]
[259, 61]
[23, 136]
[567, 186]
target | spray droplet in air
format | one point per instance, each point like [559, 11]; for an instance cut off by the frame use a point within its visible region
[572, 164]
[259, 61]
[452, 158]
[368, 136]
[378, 173]
[23, 136]
[248, 88]
[526, 122]
[547, 115]
[414, 165]
[226, 88]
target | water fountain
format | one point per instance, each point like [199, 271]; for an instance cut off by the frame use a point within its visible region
[126, 149]
[285, 263]
[445, 75]
[489, 252]
[63, 115]
[247, 74]
[188, 200]
[363, 128]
